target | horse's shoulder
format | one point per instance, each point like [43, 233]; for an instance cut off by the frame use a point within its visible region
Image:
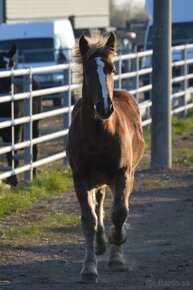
[123, 96]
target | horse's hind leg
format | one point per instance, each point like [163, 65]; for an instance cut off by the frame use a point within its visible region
[100, 243]
[89, 226]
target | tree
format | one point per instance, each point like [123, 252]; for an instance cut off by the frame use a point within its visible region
[122, 11]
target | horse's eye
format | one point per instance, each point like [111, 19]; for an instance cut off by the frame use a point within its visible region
[113, 70]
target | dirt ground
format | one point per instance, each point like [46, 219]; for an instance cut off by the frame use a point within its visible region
[158, 251]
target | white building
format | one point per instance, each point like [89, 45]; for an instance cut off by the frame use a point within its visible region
[84, 13]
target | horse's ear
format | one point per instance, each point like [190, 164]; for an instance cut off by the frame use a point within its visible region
[83, 45]
[111, 41]
[12, 50]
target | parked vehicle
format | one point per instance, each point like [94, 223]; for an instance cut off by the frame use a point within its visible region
[41, 43]
[182, 33]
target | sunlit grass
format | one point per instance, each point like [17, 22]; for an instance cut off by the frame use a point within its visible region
[57, 225]
[183, 156]
[19, 199]
[182, 126]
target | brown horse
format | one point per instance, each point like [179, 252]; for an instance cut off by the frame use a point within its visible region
[105, 144]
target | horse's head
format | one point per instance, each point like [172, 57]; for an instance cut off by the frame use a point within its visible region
[6, 63]
[98, 74]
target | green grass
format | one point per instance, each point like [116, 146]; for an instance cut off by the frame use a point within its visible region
[183, 156]
[147, 137]
[57, 225]
[182, 126]
[19, 199]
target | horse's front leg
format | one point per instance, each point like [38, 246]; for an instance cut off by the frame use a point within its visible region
[100, 243]
[122, 189]
[89, 226]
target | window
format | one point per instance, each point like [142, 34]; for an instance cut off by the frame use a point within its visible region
[31, 49]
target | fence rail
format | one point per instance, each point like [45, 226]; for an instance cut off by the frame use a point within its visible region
[129, 75]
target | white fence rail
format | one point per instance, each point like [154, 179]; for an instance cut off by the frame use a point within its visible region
[130, 74]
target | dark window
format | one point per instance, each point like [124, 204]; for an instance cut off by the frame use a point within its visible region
[31, 49]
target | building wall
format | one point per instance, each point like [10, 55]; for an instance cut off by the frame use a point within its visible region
[87, 13]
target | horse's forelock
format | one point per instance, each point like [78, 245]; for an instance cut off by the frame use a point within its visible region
[96, 45]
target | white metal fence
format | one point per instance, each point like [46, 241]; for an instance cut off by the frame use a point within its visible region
[129, 75]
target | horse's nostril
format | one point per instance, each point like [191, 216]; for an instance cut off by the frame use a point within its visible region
[111, 108]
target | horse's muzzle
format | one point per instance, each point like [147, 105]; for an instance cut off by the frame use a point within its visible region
[104, 112]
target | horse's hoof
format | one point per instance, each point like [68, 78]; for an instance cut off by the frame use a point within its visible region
[90, 278]
[116, 266]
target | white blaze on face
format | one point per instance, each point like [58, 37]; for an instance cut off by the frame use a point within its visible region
[101, 74]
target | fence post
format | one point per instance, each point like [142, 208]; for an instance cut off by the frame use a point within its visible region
[28, 151]
[135, 67]
[184, 84]
[161, 86]
[67, 104]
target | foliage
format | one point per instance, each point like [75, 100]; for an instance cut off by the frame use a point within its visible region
[120, 13]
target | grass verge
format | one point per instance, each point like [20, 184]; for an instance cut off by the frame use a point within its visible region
[182, 134]
[19, 199]
[55, 226]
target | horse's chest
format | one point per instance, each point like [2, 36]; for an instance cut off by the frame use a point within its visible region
[101, 155]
